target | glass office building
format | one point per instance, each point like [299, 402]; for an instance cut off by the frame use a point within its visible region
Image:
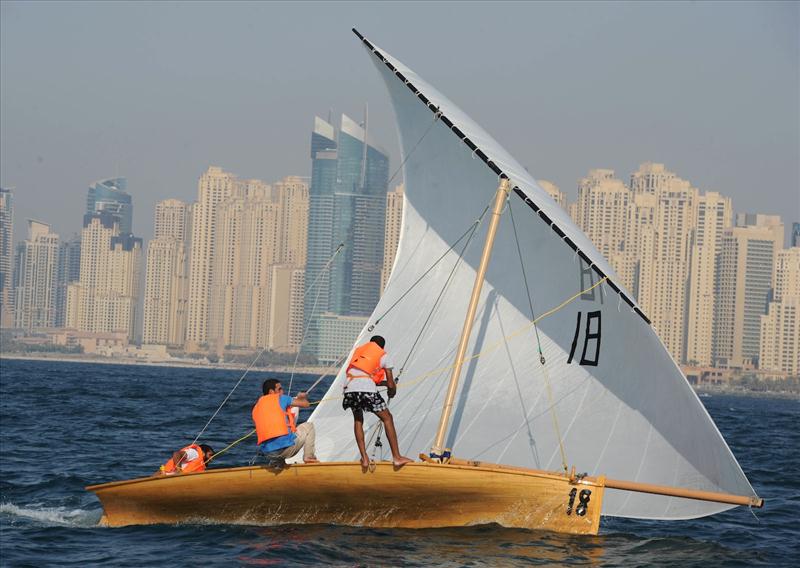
[111, 195]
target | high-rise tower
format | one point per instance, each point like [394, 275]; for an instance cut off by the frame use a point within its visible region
[714, 213]
[393, 224]
[106, 297]
[347, 205]
[780, 326]
[35, 278]
[663, 273]
[166, 277]
[745, 279]
[213, 187]
[6, 257]
[111, 195]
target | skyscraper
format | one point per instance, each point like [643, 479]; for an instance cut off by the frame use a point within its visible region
[106, 297]
[111, 195]
[714, 214]
[780, 326]
[795, 235]
[602, 213]
[664, 252]
[68, 271]
[554, 192]
[167, 276]
[393, 224]
[213, 187]
[35, 278]
[247, 244]
[347, 205]
[745, 279]
[6, 257]
[291, 195]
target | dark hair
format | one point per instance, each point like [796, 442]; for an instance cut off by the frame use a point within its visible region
[269, 385]
[206, 450]
[379, 340]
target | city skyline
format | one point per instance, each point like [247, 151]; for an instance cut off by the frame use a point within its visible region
[721, 111]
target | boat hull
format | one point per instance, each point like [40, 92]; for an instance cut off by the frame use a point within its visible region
[418, 495]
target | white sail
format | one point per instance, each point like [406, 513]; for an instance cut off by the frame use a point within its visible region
[623, 407]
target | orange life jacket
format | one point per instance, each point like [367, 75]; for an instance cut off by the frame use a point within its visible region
[367, 358]
[191, 466]
[270, 419]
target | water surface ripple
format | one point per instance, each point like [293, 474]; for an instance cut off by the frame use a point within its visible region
[67, 425]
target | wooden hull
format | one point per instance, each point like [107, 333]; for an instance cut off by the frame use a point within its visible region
[419, 495]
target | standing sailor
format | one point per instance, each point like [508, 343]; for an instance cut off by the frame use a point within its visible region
[278, 436]
[368, 367]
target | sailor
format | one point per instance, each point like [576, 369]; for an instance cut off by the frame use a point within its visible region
[190, 459]
[370, 366]
[278, 436]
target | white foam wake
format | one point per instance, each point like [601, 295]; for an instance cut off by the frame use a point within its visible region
[59, 516]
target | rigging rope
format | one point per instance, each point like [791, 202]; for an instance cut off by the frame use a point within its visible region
[439, 370]
[539, 345]
[313, 309]
[247, 370]
[493, 347]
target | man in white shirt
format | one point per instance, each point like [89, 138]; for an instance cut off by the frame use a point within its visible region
[370, 366]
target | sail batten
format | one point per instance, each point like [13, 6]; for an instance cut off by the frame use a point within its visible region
[628, 411]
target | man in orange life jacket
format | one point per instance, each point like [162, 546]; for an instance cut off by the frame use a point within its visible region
[191, 459]
[368, 367]
[278, 437]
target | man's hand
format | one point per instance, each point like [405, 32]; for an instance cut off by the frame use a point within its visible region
[301, 400]
[391, 392]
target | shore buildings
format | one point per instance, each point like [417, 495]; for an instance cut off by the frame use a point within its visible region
[347, 204]
[35, 278]
[6, 258]
[248, 251]
[745, 281]
[393, 224]
[105, 299]
[68, 271]
[111, 195]
[780, 326]
[167, 275]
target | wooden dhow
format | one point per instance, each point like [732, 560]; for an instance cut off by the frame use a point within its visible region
[583, 379]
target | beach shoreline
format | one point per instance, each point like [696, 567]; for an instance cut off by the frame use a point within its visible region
[319, 370]
[64, 358]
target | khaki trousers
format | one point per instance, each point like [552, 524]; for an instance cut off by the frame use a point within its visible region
[306, 438]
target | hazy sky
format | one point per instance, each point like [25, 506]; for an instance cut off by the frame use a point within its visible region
[157, 92]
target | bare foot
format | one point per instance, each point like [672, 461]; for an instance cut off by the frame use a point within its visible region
[401, 461]
[310, 460]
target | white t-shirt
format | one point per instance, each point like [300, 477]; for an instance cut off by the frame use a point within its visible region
[191, 455]
[361, 382]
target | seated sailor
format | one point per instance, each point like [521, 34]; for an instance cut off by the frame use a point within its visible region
[190, 459]
[278, 436]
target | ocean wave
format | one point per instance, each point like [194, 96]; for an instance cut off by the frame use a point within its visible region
[53, 516]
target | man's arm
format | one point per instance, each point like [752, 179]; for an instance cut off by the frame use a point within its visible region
[301, 400]
[390, 384]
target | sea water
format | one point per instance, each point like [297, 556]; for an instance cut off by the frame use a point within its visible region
[67, 425]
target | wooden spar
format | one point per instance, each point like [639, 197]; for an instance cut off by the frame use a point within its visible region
[750, 501]
[499, 202]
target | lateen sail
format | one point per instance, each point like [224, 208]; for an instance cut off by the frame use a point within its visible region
[623, 407]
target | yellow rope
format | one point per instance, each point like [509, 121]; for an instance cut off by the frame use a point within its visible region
[229, 446]
[491, 348]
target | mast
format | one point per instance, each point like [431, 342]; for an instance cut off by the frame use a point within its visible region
[438, 451]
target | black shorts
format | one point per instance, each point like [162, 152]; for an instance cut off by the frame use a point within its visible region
[369, 401]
